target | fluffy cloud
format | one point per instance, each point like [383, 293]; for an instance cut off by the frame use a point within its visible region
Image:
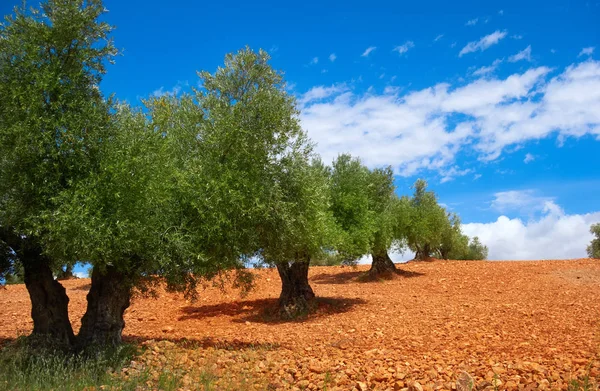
[405, 47]
[483, 43]
[554, 235]
[368, 51]
[332, 57]
[524, 54]
[314, 61]
[425, 129]
[521, 201]
[472, 22]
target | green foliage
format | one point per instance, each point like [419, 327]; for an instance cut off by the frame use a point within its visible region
[425, 230]
[593, 250]
[53, 118]
[124, 213]
[249, 184]
[369, 215]
[350, 205]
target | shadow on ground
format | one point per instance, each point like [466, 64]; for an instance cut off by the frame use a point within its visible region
[359, 276]
[266, 310]
[205, 343]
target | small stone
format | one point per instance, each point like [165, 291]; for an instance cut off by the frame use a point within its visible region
[416, 386]
[167, 329]
[465, 382]
[362, 386]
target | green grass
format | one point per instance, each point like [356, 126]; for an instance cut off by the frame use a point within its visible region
[26, 367]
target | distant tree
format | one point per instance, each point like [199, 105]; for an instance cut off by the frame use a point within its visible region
[52, 121]
[370, 217]
[428, 221]
[477, 250]
[350, 206]
[593, 250]
[452, 240]
[390, 219]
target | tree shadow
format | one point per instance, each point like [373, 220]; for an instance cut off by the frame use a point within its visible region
[361, 276]
[204, 343]
[267, 311]
[337, 278]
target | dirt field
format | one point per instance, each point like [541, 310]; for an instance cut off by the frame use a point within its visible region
[513, 325]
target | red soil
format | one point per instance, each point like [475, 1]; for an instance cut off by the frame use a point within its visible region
[531, 325]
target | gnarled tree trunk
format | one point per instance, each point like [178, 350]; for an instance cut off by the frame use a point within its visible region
[49, 300]
[296, 292]
[382, 265]
[108, 298]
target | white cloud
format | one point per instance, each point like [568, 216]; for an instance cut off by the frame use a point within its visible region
[419, 130]
[391, 90]
[483, 43]
[483, 71]
[314, 61]
[586, 51]
[368, 51]
[516, 36]
[404, 47]
[162, 92]
[332, 57]
[319, 93]
[472, 22]
[554, 235]
[438, 37]
[524, 54]
[501, 12]
[452, 173]
[521, 201]
[528, 158]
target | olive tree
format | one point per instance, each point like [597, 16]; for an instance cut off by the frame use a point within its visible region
[250, 184]
[593, 250]
[424, 233]
[124, 220]
[370, 216]
[53, 119]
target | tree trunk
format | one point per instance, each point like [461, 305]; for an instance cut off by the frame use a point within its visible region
[296, 293]
[49, 300]
[423, 253]
[66, 274]
[108, 298]
[382, 265]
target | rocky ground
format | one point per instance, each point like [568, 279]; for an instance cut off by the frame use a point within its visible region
[508, 325]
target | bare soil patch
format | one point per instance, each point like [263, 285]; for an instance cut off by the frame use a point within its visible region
[519, 325]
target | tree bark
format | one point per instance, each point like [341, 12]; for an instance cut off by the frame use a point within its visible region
[296, 293]
[382, 265]
[49, 300]
[108, 298]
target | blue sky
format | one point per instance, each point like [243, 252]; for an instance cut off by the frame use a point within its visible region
[496, 104]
